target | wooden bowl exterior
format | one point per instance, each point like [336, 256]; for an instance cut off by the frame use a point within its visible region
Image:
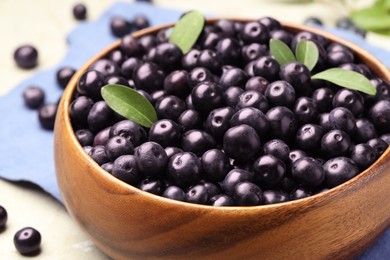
[125, 222]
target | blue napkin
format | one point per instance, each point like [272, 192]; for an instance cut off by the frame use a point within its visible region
[26, 150]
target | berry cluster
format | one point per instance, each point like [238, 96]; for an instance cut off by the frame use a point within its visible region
[234, 127]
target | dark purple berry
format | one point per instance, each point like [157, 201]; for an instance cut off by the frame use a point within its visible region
[252, 117]
[148, 77]
[363, 155]
[190, 119]
[309, 137]
[197, 194]
[174, 193]
[102, 137]
[108, 167]
[241, 142]
[343, 119]
[277, 148]
[349, 99]
[247, 194]
[3, 217]
[233, 77]
[282, 122]
[378, 145]
[119, 26]
[270, 23]
[308, 172]
[47, 115]
[184, 169]
[386, 138]
[297, 74]
[176, 83]
[198, 75]
[34, 97]
[268, 170]
[222, 200]
[197, 142]
[257, 83]
[215, 165]
[275, 196]
[154, 186]
[254, 32]
[117, 146]
[106, 67]
[151, 159]
[99, 155]
[254, 51]
[80, 11]
[300, 193]
[64, 75]
[335, 143]
[165, 132]
[337, 58]
[218, 122]
[90, 84]
[234, 177]
[128, 66]
[140, 21]
[85, 137]
[27, 241]
[231, 95]
[323, 97]
[190, 59]
[379, 114]
[125, 168]
[129, 130]
[266, 67]
[306, 110]
[365, 130]
[280, 93]
[131, 47]
[26, 56]
[339, 170]
[253, 98]
[207, 96]
[170, 107]
[100, 116]
[171, 150]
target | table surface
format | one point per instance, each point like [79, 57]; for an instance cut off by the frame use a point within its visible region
[31, 21]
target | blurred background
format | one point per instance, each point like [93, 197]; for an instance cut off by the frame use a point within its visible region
[45, 25]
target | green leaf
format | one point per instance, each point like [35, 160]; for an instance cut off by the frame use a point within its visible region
[347, 79]
[372, 18]
[281, 52]
[129, 103]
[187, 30]
[307, 53]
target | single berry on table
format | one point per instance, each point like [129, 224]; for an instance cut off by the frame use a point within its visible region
[64, 75]
[80, 11]
[119, 26]
[26, 56]
[47, 115]
[27, 241]
[34, 97]
[3, 217]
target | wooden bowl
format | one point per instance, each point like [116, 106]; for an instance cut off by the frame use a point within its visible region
[125, 222]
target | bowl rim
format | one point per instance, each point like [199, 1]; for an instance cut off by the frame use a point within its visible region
[307, 202]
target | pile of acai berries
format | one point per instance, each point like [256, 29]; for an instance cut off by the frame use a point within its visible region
[234, 126]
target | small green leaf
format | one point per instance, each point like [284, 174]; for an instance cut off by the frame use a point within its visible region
[307, 53]
[347, 79]
[281, 52]
[372, 18]
[187, 30]
[129, 103]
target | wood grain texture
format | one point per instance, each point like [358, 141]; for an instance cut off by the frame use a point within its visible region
[127, 223]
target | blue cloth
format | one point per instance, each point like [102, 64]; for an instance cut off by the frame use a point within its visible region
[26, 150]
